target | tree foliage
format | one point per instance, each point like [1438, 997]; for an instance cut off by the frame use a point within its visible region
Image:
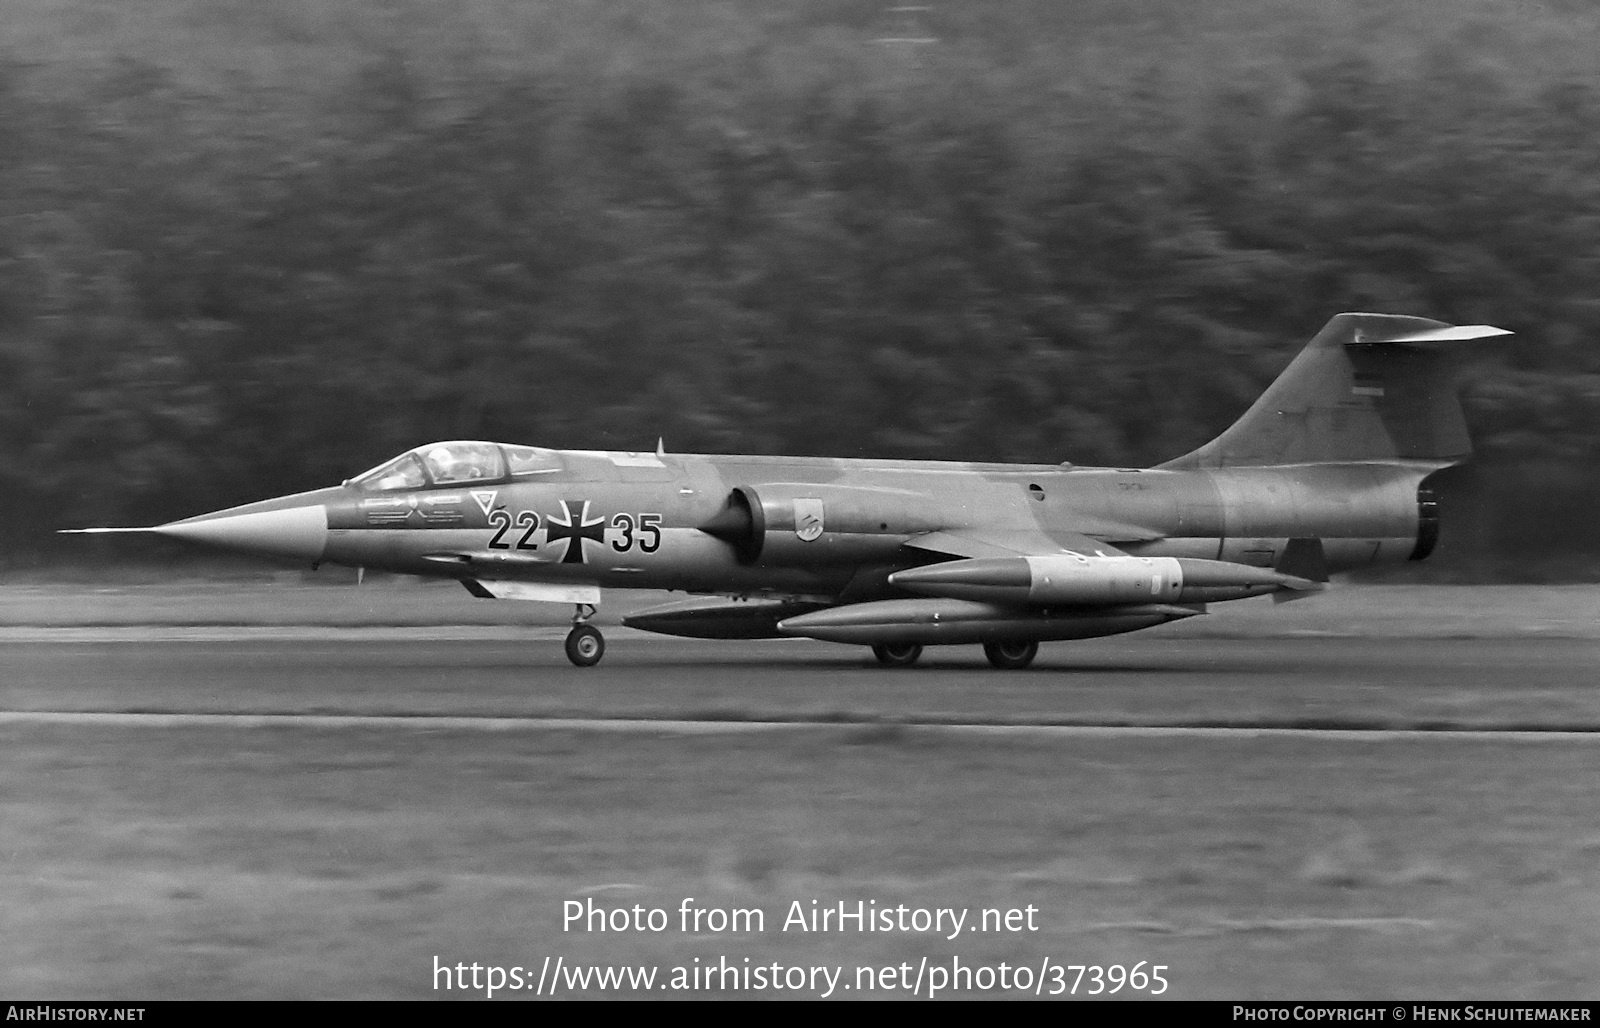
[1087, 232]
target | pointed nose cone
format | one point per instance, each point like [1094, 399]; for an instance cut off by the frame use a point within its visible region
[292, 533]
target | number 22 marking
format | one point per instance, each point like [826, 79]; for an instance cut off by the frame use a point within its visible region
[525, 519]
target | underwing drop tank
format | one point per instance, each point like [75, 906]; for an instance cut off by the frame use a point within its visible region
[945, 620]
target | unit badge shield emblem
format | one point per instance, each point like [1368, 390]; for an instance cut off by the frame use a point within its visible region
[808, 518]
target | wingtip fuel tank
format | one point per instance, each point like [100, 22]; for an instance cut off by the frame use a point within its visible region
[1072, 579]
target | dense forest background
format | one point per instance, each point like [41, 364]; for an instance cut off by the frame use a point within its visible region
[254, 246]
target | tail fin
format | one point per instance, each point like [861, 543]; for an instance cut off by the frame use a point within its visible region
[1368, 387]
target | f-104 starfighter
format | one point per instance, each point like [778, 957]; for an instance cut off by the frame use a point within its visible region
[1328, 471]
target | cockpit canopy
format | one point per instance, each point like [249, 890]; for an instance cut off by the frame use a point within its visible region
[461, 462]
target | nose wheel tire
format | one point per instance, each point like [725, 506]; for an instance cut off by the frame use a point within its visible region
[1010, 655]
[897, 654]
[585, 645]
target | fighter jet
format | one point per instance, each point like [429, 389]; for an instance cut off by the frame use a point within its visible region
[1328, 471]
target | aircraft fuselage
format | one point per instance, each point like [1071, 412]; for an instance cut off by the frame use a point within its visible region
[836, 527]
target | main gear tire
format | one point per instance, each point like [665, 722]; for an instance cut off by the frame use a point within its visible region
[585, 645]
[1011, 654]
[897, 654]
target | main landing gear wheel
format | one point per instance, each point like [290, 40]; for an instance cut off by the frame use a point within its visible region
[585, 645]
[897, 654]
[1010, 655]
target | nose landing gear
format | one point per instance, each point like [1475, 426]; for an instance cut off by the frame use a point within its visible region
[585, 644]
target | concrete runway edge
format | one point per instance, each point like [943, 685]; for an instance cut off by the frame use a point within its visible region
[689, 726]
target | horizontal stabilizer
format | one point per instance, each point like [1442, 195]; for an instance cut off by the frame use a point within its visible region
[1442, 334]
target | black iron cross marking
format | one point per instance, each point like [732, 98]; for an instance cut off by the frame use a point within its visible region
[575, 529]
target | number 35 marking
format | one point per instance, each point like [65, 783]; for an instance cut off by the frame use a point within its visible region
[525, 519]
[648, 527]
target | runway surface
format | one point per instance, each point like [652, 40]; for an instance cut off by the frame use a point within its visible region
[298, 815]
[1338, 683]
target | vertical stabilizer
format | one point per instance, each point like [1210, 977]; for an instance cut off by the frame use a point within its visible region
[1369, 387]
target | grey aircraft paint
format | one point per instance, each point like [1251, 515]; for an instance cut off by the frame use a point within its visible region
[1326, 472]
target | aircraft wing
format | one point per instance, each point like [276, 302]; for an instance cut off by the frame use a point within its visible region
[482, 559]
[983, 542]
